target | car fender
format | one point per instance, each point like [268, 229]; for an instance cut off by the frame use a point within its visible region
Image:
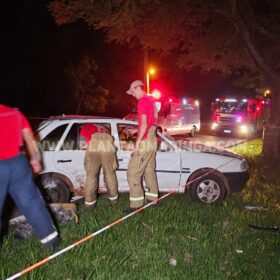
[201, 171]
[61, 176]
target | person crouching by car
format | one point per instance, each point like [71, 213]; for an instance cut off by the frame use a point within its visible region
[100, 152]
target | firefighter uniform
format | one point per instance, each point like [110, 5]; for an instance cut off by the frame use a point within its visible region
[142, 162]
[100, 152]
[140, 166]
[16, 176]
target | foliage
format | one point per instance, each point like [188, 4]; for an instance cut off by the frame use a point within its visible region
[215, 34]
[205, 34]
[264, 183]
[89, 97]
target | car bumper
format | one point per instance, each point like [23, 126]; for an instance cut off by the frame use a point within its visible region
[237, 180]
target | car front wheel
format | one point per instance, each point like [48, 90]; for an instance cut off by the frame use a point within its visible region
[54, 190]
[208, 189]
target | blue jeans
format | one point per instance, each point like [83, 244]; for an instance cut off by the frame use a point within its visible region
[16, 179]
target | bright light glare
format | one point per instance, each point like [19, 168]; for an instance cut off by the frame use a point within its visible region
[239, 119]
[243, 128]
[196, 103]
[214, 125]
[230, 100]
[184, 101]
[152, 71]
[156, 94]
[244, 100]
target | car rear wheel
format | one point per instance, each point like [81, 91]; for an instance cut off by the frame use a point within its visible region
[208, 189]
[54, 190]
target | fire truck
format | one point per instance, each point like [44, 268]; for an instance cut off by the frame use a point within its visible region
[242, 116]
[175, 115]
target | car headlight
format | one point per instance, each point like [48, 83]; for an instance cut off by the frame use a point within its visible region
[214, 125]
[244, 128]
[244, 165]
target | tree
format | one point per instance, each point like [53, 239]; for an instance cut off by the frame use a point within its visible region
[210, 34]
[88, 96]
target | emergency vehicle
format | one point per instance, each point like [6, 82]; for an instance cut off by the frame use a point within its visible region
[175, 116]
[243, 116]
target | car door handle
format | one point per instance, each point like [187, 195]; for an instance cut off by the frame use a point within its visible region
[64, 160]
[120, 159]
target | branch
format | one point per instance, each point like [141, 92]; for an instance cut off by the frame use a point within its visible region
[260, 62]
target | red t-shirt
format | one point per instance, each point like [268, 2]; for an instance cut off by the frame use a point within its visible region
[146, 106]
[89, 129]
[12, 122]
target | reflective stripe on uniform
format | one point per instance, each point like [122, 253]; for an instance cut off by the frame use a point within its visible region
[136, 198]
[151, 195]
[49, 237]
[90, 203]
[113, 198]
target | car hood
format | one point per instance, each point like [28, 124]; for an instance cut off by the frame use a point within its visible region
[201, 148]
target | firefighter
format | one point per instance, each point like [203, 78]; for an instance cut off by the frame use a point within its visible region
[142, 162]
[100, 152]
[16, 174]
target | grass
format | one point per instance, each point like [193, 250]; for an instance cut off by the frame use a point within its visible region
[179, 240]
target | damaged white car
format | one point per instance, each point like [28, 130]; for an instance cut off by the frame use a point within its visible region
[208, 174]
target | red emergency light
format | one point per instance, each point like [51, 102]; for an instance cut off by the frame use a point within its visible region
[156, 94]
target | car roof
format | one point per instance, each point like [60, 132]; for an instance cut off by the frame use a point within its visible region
[71, 117]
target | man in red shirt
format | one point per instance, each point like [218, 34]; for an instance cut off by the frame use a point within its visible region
[142, 162]
[16, 176]
[100, 152]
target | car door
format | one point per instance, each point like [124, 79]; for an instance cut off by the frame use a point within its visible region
[48, 146]
[70, 156]
[168, 164]
[127, 136]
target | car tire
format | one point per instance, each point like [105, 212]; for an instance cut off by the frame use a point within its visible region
[54, 190]
[208, 189]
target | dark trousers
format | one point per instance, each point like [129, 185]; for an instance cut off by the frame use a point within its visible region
[16, 179]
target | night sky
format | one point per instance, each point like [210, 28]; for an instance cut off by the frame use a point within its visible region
[35, 52]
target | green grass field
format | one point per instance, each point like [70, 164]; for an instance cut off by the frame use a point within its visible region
[178, 240]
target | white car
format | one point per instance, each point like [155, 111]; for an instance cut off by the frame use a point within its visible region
[209, 174]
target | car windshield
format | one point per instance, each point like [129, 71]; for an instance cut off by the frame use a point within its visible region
[231, 107]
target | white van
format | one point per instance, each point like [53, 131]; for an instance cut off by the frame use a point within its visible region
[176, 116]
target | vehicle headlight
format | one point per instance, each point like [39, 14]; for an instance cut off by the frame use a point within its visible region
[244, 128]
[214, 125]
[244, 165]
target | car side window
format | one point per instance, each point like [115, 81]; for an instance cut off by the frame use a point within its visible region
[163, 146]
[50, 142]
[82, 144]
[127, 136]
[71, 140]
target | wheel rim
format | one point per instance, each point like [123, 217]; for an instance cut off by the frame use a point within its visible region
[208, 191]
